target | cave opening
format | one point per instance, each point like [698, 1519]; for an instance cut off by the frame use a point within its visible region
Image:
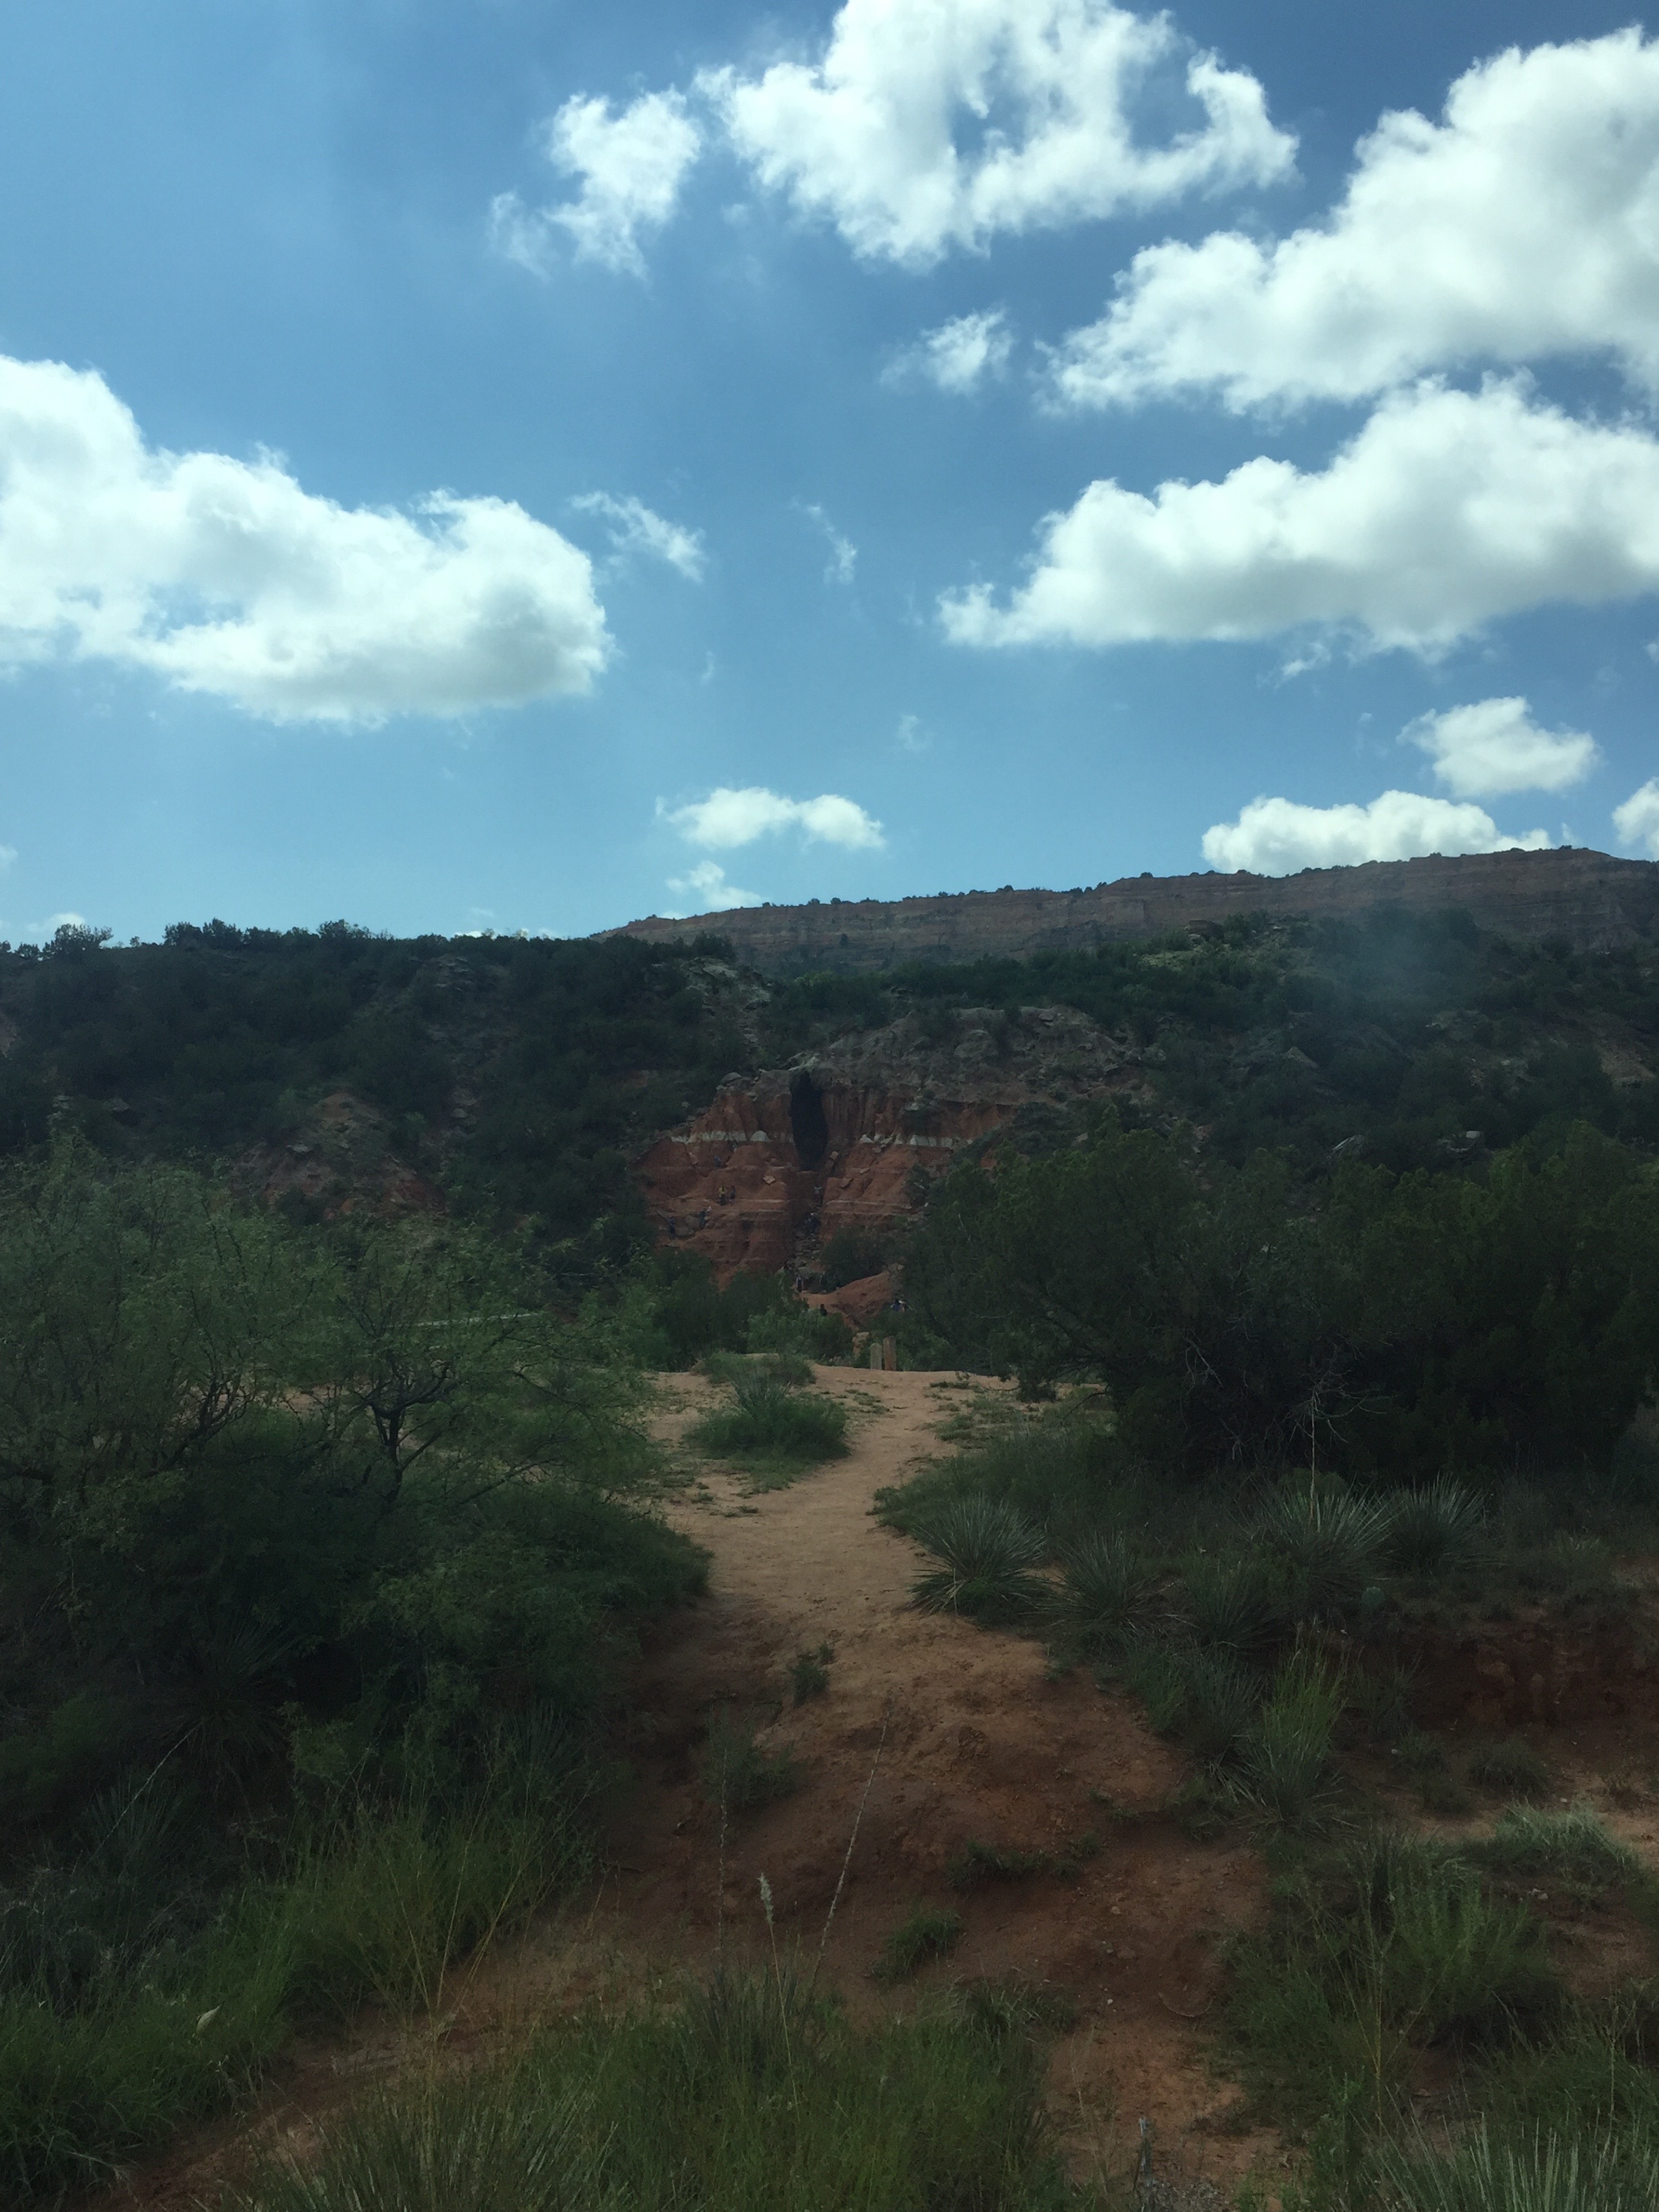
[806, 1120]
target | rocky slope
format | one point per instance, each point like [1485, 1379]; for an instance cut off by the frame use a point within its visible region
[1591, 899]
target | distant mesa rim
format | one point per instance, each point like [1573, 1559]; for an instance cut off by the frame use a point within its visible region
[1594, 900]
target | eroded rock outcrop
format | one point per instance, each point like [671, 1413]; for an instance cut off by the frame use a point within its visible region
[781, 1162]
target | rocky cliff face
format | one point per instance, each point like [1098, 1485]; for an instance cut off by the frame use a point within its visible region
[1592, 900]
[782, 1160]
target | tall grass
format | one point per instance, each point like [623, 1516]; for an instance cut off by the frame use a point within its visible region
[1540, 2172]
[1398, 1947]
[769, 1421]
[377, 1902]
[746, 2098]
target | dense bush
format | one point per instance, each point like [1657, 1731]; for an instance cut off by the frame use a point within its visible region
[321, 1554]
[1419, 1322]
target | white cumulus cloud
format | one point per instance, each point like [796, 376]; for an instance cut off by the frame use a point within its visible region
[729, 817]
[707, 881]
[1525, 224]
[631, 167]
[960, 355]
[1636, 821]
[1276, 837]
[635, 528]
[926, 125]
[226, 578]
[1494, 746]
[1447, 510]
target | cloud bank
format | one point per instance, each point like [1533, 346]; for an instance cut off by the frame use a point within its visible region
[1447, 510]
[227, 579]
[1276, 837]
[1525, 224]
[729, 817]
[923, 128]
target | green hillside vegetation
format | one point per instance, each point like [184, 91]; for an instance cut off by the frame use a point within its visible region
[319, 1557]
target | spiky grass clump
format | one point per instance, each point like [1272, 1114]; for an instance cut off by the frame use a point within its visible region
[1329, 1544]
[791, 1368]
[1236, 1601]
[1208, 1700]
[1435, 1530]
[809, 1673]
[1284, 1756]
[1536, 2173]
[768, 1421]
[739, 1774]
[1394, 1947]
[988, 1553]
[747, 2098]
[927, 1934]
[1104, 1591]
[1512, 1769]
[1574, 1844]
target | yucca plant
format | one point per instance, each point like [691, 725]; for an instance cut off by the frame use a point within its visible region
[988, 1554]
[1433, 1530]
[1236, 1602]
[1105, 1585]
[1330, 1543]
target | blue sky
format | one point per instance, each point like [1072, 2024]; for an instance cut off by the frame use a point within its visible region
[476, 463]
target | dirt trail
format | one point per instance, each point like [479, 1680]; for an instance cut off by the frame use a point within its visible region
[976, 1743]
[980, 1745]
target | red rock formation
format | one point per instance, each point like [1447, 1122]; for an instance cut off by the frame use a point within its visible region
[1591, 899]
[774, 1168]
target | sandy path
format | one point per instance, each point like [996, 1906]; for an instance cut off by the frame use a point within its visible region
[980, 1744]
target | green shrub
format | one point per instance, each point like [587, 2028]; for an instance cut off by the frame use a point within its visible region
[976, 1863]
[988, 1553]
[740, 1776]
[767, 1421]
[809, 1673]
[850, 1256]
[1284, 1756]
[1207, 1698]
[745, 2097]
[1574, 1843]
[508, 2138]
[927, 1934]
[1396, 1946]
[1535, 2172]
[1511, 1768]
[1105, 1584]
[1329, 1543]
[732, 1368]
[800, 1331]
[1236, 1602]
[1434, 1530]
